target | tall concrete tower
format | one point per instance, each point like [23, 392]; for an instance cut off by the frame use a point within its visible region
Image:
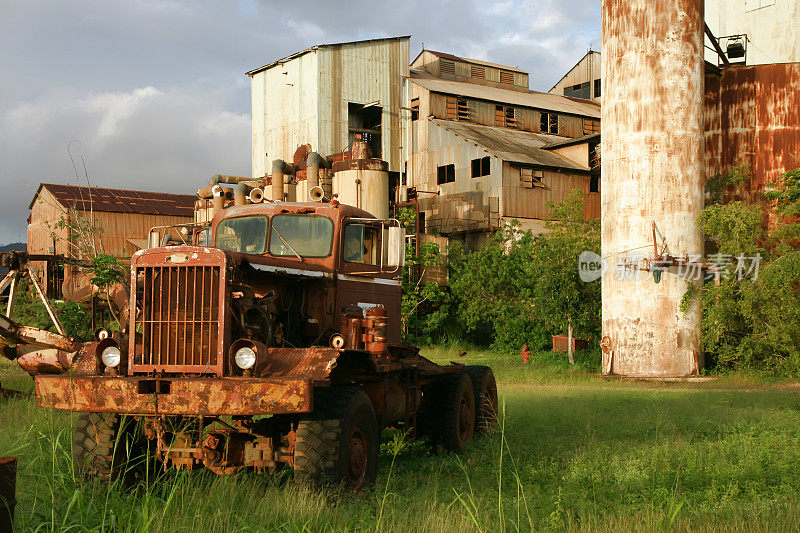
[652, 172]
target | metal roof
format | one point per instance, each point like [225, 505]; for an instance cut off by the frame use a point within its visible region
[510, 145]
[443, 55]
[569, 142]
[546, 101]
[119, 200]
[316, 47]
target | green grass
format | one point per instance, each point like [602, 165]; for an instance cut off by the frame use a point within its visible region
[576, 451]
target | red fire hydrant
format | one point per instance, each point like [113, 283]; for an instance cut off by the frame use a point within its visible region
[525, 353]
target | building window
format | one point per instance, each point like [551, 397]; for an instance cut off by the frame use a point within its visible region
[364, 123]
[580, 90]
[422, 222]
[415, 109]
[505, 116]
[478, 72]
[590, 126]
[511, 121]
[597, 88]
[481, 167]
[530, 178]
[462, 110]
[445, 174]
[447, 67]
[594, 184]
[549, 123]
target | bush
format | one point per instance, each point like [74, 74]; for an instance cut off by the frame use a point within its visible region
[753, 323]
[524, 287]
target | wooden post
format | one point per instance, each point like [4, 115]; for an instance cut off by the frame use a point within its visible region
[570, 341]
[46, 302]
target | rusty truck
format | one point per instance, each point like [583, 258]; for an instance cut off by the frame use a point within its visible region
[269, 338]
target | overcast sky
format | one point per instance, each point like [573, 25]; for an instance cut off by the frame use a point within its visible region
[152, 94]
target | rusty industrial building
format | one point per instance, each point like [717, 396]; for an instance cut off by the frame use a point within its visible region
[466, 141]
[124, 218]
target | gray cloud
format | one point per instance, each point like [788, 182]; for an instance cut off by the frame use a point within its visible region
[155, 90]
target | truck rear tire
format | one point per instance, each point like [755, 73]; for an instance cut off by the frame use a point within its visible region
[485, 389]
[339, 442]
[450, 412]
[100, 445]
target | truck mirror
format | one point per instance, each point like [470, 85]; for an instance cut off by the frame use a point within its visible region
[395, 247]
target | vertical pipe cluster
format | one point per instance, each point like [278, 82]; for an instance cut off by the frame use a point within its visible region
[652, 172]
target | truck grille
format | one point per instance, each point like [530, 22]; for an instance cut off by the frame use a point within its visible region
[180, 326]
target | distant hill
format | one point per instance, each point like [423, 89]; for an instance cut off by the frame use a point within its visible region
[14, 246]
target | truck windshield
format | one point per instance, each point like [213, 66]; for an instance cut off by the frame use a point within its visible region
[242, 234]
[303, 235]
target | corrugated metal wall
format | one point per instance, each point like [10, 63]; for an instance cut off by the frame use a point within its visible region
[752, 117]
[527, 119]
[305, 100]
[461, 205]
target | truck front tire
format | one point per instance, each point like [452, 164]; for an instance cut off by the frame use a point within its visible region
[339, 442]
[99, 445]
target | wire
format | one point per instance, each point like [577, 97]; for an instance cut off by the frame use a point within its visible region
[760, 50]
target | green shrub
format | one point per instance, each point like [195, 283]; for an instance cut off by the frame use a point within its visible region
[753, 323]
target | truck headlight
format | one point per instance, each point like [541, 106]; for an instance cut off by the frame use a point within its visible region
[111, 356]
[245, 358]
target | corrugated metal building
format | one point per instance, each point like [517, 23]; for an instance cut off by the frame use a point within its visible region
[124, 216]
[438, 123]
[772, 28]
[480, 151]
[324, 96]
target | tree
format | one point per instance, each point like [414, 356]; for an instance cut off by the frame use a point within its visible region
[562, 300]
[525, 287]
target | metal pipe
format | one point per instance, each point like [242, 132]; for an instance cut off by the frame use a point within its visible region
[218, 198]
[240, 194]
[225, 178]
[256, 195]
[279, 168]
[314, 162]
[653, 172]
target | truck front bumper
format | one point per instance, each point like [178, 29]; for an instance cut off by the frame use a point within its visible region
[174, 396]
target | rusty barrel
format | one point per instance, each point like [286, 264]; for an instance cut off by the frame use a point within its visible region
[8, 483]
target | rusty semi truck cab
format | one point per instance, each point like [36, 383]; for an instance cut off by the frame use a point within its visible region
[290, 310]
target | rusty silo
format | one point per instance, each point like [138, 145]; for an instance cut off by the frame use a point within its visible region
[652, 173]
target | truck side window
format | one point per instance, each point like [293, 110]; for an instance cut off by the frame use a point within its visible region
[361, 244]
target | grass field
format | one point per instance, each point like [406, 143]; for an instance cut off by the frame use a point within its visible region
[574, 451]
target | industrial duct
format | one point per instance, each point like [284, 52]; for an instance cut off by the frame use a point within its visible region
[313, 163]
[279, 169]
[240, 194]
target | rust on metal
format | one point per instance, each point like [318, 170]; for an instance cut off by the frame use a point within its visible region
[13, 333]
[179, 396]
[375, 330]
[181, 310]
[652, 171]
[314, 363]
[752, 118]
